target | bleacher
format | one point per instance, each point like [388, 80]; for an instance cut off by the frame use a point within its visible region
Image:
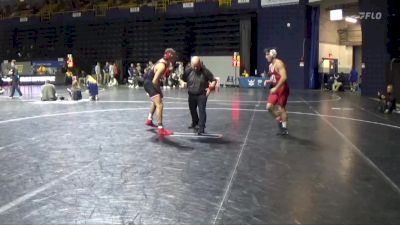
[134, 38]
[23, 9]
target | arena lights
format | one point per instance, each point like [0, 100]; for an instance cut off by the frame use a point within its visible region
[336, 14]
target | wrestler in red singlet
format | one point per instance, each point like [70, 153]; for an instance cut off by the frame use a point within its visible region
[152, 82]
[279, 93]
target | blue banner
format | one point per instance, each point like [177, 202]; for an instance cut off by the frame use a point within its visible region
[251, 82]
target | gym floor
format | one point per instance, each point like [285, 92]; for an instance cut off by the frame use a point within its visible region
[96, 163]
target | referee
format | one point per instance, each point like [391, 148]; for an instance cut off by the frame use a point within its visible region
[200, 82]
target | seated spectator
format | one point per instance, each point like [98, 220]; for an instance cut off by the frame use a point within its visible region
[42, 70]
[48, 92]
[245, 73]
[75, 92]
[337, 83]
[93, 88]
[388, 101]
[328, 81]
[174, 80]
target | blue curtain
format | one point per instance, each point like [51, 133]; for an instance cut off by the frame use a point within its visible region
[314, 81]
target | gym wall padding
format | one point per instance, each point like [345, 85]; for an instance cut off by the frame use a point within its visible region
[274, 32]
[374, 52]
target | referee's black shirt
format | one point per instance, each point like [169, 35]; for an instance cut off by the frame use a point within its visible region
[197, 81]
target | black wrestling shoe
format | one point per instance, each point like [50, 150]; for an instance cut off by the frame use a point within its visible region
[283, 132]
[200, 132]
[193, 126]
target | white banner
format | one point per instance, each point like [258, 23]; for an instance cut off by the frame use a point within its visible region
[268, 3]
[76, 14]
[188, 5]
[134, 10]
[243, 1]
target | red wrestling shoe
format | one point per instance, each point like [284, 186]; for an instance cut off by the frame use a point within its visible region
[164, 132]
[150, 123]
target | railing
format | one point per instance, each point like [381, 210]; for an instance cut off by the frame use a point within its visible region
[100, 9]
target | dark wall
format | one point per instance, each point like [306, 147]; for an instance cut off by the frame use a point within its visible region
[137, 39]
[140, 37]
[273, 32]
[393, 28]
[374, 52]
[394, 44]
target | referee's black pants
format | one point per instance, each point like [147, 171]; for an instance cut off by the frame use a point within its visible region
[198, 101]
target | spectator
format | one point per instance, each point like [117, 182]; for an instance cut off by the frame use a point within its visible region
[97, 71]
[48, 92]
[148, 67]
[42, 70]
[139, 69]
[75, 92]
[174, 80]
[245, 73]
[93, 88]
[14, 80]
[264, 74]
[139, 75]
[353, 78]
[1, 84]
[113, 80]
[82, 77]
[328, 81]
[175, 77]
[388, 101]
[116, 72]
[337, 83]
[133, 76]
[68, 77]
[180, 71]
[106, 73]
